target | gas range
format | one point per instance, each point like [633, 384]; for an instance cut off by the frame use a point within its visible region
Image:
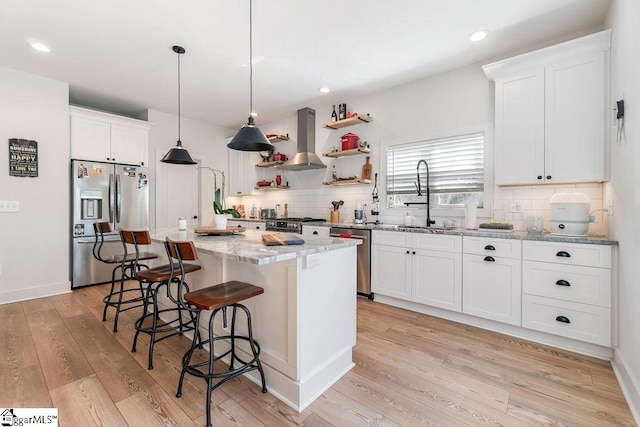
[290, 225]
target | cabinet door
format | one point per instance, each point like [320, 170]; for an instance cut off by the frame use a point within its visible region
[437, 279]
[519, 125]
[574, 120]
[127, 143]
[391, 271]
[90, 139]
[242, 172]
[492, 289]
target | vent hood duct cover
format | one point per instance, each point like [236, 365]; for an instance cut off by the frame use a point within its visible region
[305, 158]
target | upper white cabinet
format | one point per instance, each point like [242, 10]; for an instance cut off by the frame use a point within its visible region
[242, 172]
[550, 113]
[104, 137]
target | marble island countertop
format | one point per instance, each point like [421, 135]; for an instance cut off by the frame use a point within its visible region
[248, 246]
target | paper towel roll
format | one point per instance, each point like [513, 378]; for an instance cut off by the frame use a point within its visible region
[471, 216]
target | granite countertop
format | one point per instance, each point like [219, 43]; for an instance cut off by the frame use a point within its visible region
[248, 247]
[594, 239]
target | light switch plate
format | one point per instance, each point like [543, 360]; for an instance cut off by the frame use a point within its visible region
[9, 206]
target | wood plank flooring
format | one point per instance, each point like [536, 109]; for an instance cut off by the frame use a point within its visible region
[411, 369]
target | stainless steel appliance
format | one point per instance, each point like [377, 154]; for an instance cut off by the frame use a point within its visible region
[363, 256]
[103, 192]
[289, 225]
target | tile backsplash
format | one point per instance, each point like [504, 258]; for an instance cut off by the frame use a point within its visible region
[532, 200]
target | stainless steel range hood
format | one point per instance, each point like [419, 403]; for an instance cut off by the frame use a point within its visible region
[305, 158]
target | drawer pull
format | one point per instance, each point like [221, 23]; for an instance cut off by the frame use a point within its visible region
[489, 258]
[563, 319]
[489, 248]
[563, 283]
[315, 233]
[563, 254]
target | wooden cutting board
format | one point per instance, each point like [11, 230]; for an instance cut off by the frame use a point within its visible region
[282, 239]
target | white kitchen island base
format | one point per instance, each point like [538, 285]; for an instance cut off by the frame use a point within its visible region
[305, 321]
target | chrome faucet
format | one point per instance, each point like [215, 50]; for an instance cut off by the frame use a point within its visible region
[418, 187]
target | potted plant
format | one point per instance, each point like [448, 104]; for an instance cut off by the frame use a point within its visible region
[220, 214]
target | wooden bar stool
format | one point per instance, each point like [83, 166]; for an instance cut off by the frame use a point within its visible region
[215, 299]
[127, 264]
[171, 318]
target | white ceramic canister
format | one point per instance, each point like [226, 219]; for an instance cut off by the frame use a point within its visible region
[182, 223]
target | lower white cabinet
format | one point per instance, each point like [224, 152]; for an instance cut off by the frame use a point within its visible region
[492, 284]
[418, 267]
[567, 290]
[249, 225]
[309, 231]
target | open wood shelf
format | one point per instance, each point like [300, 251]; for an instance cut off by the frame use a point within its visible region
[352, 152]
[273, 187]
[357, 120]
[279, 138]
[348, 182]
[269, 164]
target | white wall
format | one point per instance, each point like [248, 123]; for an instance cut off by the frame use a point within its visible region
[204, 141]
[623, 189]
[456, 102]
[34, 243]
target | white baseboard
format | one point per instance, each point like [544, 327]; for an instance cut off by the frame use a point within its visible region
[35, 292]
[630, 388]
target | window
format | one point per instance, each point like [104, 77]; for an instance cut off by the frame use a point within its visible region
[456, 171]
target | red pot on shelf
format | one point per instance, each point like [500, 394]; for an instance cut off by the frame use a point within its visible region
[350, 141]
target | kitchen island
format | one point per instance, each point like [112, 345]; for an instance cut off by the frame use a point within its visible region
[305, 322]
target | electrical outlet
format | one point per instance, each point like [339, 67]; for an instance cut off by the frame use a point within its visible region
[515, 207]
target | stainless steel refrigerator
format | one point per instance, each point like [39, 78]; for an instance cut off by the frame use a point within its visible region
[104, 192]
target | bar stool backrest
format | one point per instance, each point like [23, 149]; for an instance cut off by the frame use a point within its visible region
[179, 252]
[135, 238]
[100, 229]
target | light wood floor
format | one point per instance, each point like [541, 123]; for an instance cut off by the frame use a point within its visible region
[411, 369]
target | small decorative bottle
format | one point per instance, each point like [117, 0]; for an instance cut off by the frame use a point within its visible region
[334, 174]
[334, 116]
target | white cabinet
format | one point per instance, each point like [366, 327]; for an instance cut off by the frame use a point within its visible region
[550, 113]
[242, 172]
[309, 231]
[422, 268]
[492, 284]
[567, 290]
[249, 225]
[104, 137]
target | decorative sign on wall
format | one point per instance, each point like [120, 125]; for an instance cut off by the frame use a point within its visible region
[23, 157]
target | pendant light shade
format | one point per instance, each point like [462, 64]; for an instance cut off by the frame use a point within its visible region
[178, 155]
[250, 137]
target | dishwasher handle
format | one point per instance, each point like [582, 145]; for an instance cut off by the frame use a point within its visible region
[352, 236]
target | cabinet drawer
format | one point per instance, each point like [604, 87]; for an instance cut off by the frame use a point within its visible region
[437, 242]
[567, 253]
[392, 238]
[507, 248]
[586, 285]
[587, 322]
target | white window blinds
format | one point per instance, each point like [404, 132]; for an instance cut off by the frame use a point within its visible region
[456, 165]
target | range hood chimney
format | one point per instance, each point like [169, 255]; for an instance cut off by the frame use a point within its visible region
[305, 157]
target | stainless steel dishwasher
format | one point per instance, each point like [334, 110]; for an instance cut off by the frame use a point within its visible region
[363, 256]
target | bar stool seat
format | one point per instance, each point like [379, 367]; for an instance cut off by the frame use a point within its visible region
[127, 263]
[217, 298]
[159, 324]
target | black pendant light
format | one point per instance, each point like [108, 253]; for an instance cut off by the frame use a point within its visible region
[178, 155]
[250, 137]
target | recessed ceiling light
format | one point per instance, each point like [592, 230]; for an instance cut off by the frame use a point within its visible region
[478, 35]
[40, 47]
[324, 90]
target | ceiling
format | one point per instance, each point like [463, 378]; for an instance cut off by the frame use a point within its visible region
[116, 55]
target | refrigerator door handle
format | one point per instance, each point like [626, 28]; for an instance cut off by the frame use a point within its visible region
[111, 198]
[118, 197]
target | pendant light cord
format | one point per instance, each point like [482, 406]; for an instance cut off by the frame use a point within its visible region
[250, 58]
[179, 142]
